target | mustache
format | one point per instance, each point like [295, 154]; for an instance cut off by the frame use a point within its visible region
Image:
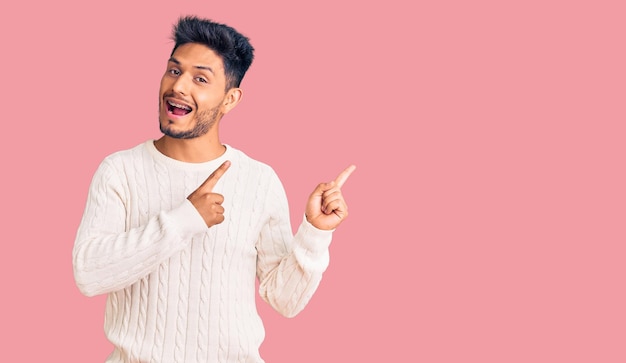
[176, 96]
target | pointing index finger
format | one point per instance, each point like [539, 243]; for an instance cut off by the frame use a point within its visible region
[210, 182]
[343, 176]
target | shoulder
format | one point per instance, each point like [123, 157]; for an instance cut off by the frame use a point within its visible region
[248, 163]
[253, 168]
[120, 160]
[128, 154]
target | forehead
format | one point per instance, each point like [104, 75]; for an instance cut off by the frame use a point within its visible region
[198, 55]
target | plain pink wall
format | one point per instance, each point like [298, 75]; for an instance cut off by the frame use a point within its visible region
[488, 208]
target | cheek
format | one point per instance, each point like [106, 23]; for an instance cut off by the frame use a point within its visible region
[203, 102]
[208, 101]
[166, 84]
[162, 87]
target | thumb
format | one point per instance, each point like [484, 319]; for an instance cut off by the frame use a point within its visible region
[318, 192]
[313, 206]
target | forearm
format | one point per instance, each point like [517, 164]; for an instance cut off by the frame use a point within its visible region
[290, 284]
[107, 257]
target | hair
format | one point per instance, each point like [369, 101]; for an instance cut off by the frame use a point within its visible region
[233, 47]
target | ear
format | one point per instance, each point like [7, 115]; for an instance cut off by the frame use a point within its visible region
[232, 98]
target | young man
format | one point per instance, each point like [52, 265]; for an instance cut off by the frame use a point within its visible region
[176, 230]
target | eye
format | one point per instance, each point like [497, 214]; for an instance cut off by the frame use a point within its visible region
[201, 79]
[173, 71]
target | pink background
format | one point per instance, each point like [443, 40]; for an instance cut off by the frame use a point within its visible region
[487, 211]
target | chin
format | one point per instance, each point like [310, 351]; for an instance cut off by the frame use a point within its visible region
[168, 130]
[192, 133]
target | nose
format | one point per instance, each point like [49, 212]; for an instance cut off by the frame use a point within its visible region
[181, 85]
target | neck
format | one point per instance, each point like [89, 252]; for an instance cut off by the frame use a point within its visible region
[196, 150]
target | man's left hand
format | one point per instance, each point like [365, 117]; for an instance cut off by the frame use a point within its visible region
[326, 208]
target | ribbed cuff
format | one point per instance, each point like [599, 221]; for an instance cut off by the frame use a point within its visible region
[187, 220]
[312, 238]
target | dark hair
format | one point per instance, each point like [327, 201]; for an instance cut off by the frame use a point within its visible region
[233, 47]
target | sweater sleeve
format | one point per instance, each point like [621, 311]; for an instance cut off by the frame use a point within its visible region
[107, 254]
[289, 267]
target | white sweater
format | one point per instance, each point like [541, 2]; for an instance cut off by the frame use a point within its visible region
[178, 291]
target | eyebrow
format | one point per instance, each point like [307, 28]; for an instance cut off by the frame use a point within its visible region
[206, 68]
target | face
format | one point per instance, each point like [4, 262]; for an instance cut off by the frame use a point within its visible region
[192, 97]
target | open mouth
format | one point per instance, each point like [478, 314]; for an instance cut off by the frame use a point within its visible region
[177, 109]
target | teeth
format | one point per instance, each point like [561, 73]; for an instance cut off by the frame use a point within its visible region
[177, 105]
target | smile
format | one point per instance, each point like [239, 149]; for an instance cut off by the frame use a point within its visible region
[177, 108]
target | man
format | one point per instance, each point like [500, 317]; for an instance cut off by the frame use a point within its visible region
[176, 230]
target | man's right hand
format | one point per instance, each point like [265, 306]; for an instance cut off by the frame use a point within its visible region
[209, 204]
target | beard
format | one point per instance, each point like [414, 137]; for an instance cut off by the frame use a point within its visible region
[204, 122]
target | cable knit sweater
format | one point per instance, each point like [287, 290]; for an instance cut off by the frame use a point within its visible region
[179, 291]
